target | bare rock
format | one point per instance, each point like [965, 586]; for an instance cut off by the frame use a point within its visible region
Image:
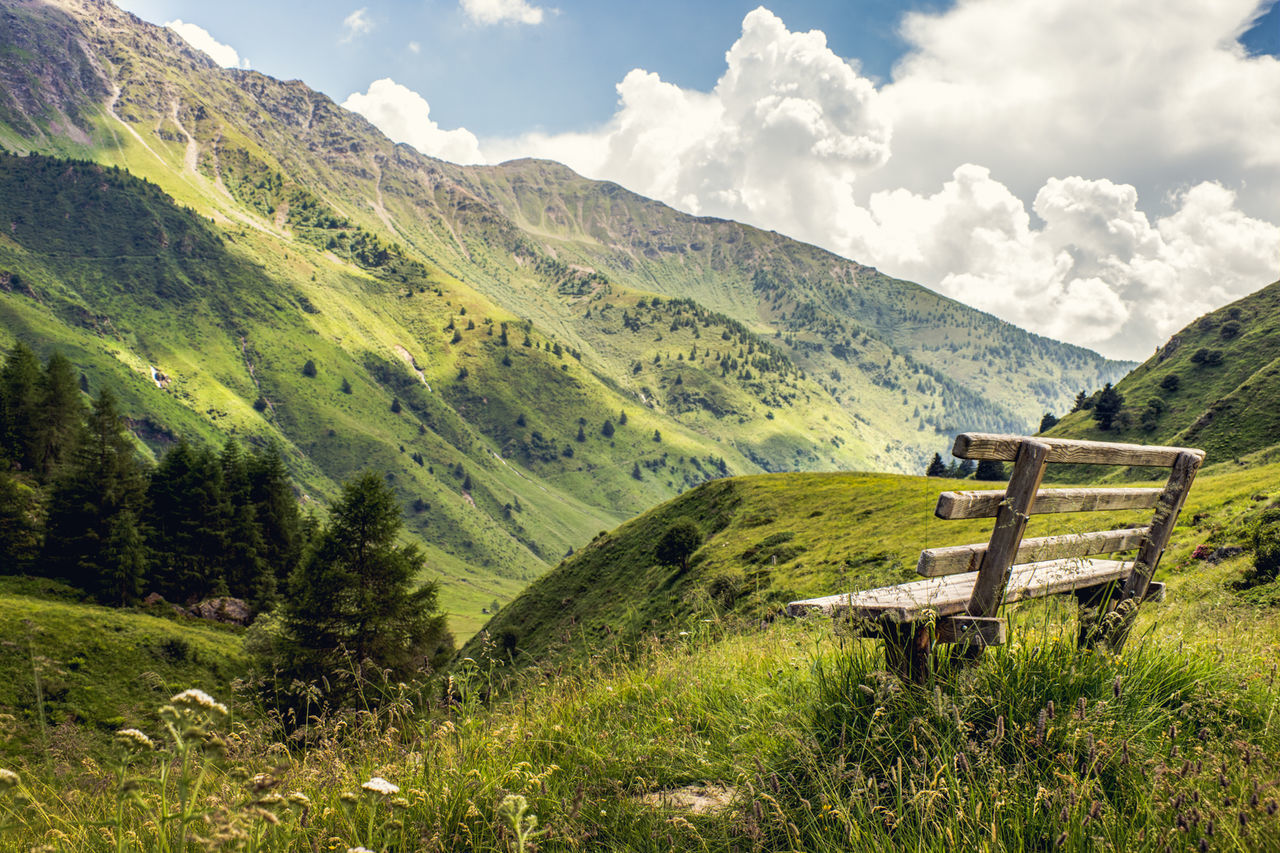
[232, 611]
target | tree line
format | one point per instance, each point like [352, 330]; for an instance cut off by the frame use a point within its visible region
[78, 503]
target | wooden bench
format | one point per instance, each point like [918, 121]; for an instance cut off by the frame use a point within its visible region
[966, 585]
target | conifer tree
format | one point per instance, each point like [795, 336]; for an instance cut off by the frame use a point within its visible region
[93, 536]
[354, 594]
[936, 467]
[20, 525]
[19, 406]
[276, 512]
[187, 514]
[243, 566]
[60, 412]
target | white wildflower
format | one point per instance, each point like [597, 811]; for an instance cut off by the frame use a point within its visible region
[378, 785]
[134, 739]
[8, 778]
[196, 699]
[359, 850]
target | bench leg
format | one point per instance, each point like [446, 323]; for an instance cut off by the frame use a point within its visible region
[908, 650]
[1092, 605]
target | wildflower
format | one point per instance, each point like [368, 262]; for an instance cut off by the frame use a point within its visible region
[378, 785]
[195, 699]
[359, 850]
[134, 739]
[8, 778]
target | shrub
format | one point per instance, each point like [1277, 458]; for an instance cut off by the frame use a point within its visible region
[1171, 382]
[1265, 540]
[678, 542]
[309, 369]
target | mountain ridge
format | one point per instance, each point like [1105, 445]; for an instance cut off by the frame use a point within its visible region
[506, 347]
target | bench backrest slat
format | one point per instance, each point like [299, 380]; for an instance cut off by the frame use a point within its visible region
[957, 559]
[1004, 448]
[1024, 497]
[953, 505]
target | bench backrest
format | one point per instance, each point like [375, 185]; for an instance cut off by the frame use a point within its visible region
[1024, 497]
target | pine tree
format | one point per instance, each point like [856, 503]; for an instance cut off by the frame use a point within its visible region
[93, 536]
[19, 408]
[60, 412]
[936, 467]
[190, 519]
[1107, 406]
[989, 470]
[20, 524]
[1048, 421]
[244, 567]
[607, 429]
[354, 595]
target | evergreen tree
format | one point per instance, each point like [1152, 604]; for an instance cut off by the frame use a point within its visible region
[243, 566]
[188, 515]
[309, 369]
[275, 508]
[345, 388]
[60, 412]
[936, 467]
[1047, 422]
[989, 470]
[635, 471]
[354, 594]
[20, 524]
[93, 538]
[19, 408]
[1107, 406]
[607, 429]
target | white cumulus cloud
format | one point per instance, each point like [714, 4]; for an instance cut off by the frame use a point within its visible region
[502, 11]
[199, 38]
[1098, 172]
[405, 116]
[356, 24]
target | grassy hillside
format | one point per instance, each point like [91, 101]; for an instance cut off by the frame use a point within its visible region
[775, 538]
[732, 737]
[91, 670]
[1213, 385]
[536, 240]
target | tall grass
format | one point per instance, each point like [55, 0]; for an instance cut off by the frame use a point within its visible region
[795, 742]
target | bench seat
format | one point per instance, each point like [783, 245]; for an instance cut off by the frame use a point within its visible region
[949, 595]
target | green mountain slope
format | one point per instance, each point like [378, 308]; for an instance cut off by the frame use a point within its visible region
[1214, 385]
[493, 326]
[769, 539]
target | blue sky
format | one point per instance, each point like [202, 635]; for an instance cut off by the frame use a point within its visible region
[510, 78]
[1100, 172]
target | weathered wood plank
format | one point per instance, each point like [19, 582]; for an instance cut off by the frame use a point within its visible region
[1004, 448]
[980, 631]
[953, 505]
[936, 562]
[1011, 521]
[1166, 515]
[948, 596]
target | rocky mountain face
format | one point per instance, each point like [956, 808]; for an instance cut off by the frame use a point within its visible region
[529, 355]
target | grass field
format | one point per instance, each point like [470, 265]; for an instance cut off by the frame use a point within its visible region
[720, 732]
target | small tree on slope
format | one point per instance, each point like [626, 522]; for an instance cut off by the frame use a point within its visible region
[353, 599]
